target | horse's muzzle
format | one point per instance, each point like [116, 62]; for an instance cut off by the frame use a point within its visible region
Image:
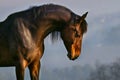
[71, 57]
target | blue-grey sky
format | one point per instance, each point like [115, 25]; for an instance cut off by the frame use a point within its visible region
[97, 43]
[94, 7]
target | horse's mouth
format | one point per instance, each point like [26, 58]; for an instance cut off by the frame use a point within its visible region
[70, 57]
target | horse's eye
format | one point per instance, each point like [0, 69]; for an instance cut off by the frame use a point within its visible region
[74, 29]
[77, 34]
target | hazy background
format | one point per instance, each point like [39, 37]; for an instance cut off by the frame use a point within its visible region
[101, 43]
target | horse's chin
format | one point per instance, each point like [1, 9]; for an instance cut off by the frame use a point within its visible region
[70, 57]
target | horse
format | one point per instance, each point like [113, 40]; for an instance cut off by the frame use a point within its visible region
[22, 36]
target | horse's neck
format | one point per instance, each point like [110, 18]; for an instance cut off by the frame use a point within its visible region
[59, 14]
[46, 29]
[53, 21]
[56, 20]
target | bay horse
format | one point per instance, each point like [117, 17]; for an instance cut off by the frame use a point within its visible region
[22, 36]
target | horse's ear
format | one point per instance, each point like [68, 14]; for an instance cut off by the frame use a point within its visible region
[83, 17]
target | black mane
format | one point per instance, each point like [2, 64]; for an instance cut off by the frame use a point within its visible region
[40, 10]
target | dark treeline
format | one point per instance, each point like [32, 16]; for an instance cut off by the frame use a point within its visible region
[106, 72]
[109, 71]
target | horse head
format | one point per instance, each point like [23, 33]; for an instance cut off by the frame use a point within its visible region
[72, 35]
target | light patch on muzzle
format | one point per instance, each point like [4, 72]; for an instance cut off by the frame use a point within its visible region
[75, 51]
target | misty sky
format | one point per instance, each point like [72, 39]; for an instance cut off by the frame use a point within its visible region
[94, 7]
[95, 48]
